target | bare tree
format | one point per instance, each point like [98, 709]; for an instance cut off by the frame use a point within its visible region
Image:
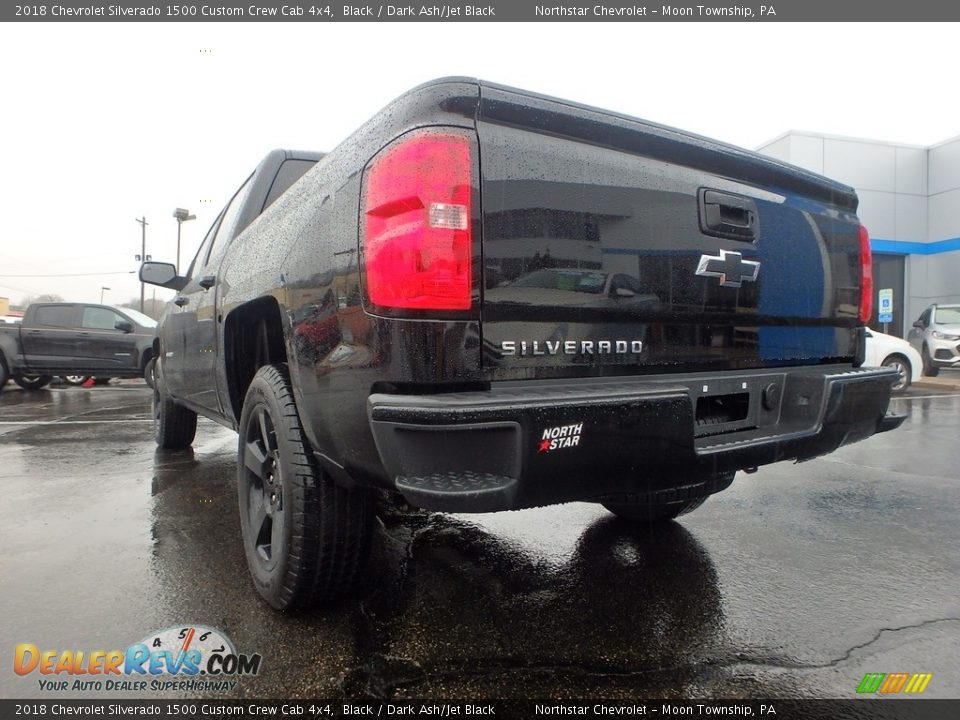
[46, 297]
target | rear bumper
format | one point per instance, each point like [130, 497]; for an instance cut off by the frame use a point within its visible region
[539, 443]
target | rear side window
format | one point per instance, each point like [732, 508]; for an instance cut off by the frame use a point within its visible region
[290, 171]
[95, 318]
[55, 316]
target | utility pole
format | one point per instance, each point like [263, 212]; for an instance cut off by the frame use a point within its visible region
[143, 253]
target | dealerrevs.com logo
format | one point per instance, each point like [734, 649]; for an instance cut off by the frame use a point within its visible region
[190, 658]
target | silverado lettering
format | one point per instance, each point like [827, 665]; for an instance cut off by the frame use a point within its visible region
[571, 347]
[480, 276]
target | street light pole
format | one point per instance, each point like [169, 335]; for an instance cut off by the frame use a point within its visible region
[102, 289]
[143, 254]
[182, 216]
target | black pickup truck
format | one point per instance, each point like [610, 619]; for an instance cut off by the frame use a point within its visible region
[76, 339]
[486, 299]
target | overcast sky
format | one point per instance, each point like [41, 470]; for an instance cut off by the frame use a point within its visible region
[105, 123]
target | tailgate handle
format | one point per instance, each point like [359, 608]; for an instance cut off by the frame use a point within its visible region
[726, 215]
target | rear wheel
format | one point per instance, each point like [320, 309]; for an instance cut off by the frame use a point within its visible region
[33, 382]
[305, 537]
[659, 511]
[929, 369]
[904, 370]
[4, 372]
[74, 379]
[174, 426]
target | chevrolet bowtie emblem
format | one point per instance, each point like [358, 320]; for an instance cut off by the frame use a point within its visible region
[730, 267]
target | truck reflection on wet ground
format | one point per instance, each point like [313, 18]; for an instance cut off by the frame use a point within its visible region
[790, 583]
[447, 602]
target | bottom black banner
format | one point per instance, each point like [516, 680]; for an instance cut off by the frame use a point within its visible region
[882, 709]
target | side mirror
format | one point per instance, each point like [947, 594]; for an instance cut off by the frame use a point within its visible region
[624, 293]
[124, 325]
[918, 325]
[162, 274]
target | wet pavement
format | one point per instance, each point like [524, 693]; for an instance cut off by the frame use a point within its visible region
[795, 582]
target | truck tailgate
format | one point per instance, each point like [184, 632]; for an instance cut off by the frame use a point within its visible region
[615, 247]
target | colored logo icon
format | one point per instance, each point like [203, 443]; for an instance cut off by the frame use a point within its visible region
[894, 683]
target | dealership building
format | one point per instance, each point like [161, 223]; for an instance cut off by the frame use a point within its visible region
[910, 204]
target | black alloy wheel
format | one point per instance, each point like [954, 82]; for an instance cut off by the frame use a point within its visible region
[305, 537]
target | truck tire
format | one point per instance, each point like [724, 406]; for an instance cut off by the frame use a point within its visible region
[305, 537]
[33, 382]
[174, 426]
[653, 512]
[148, 369]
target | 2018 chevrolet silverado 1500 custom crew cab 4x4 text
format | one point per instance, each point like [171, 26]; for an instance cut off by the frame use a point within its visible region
[486, 299]
[76, 339]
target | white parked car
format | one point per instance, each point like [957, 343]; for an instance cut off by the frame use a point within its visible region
[893, 352]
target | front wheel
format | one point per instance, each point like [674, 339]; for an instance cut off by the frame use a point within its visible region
[33, 382]
[652, 512]
[4, 372]
[148, 371]
[903, 368]
[305, 537]
[74, 379]
[174, 426]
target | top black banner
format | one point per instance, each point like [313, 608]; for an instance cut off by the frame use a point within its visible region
[481, 11]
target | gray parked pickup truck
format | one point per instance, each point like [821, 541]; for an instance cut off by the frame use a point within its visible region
[76, 339]
[486, 300]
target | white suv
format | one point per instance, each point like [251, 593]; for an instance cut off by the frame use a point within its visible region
[936, 336]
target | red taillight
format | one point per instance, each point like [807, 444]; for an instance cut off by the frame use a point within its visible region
[418, 243]
[866, 277]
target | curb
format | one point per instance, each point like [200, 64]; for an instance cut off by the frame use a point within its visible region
[937, 385]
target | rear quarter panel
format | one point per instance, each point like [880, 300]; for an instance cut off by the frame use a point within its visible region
[303, 251]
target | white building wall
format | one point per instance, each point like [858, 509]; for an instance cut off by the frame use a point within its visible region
[907, 194]
[945, 166]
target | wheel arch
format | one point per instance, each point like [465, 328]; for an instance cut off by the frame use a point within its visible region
[147, 352]
[897, 355]
[253, 336]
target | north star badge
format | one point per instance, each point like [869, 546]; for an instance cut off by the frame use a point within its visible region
[559, 437]
[730, 267]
